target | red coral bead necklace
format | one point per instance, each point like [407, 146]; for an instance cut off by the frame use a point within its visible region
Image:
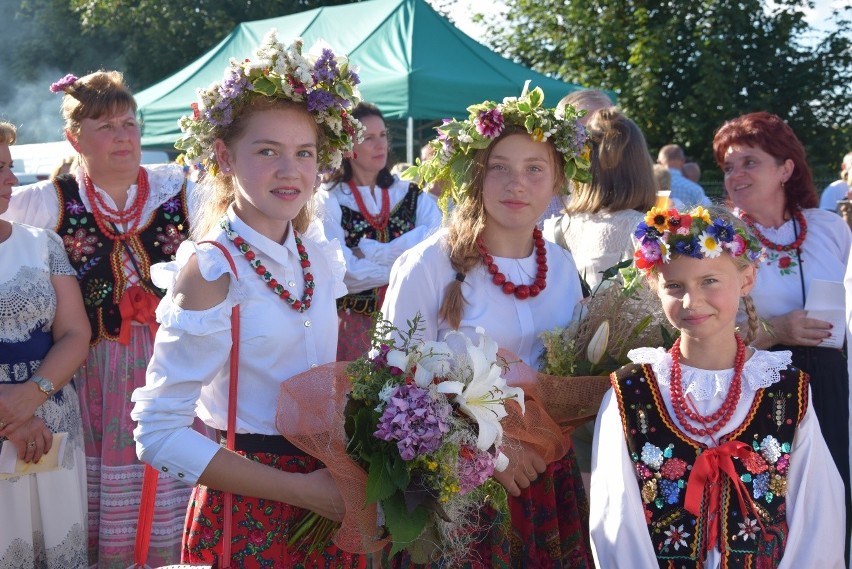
[521, 292]
[278, 289]
[799, 218]
[103, 213]
[378, 222]
[724, 413]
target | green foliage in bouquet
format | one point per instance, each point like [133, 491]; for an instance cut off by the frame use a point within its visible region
[621, 313]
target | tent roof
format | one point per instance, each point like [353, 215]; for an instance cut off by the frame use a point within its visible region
[413, 63]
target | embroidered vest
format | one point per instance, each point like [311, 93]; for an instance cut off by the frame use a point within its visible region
[402, 220]
[98, 260]
[664, 457]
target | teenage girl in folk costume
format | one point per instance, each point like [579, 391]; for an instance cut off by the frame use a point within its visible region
[710, 455]
[264, 135]
[116, 218]
[376, 216]
[491, 268]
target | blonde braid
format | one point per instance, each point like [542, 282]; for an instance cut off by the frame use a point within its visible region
[753, 321]
[466, 224]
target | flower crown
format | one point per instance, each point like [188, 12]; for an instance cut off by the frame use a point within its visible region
[323, 81]
[695, 234]
[457, 141]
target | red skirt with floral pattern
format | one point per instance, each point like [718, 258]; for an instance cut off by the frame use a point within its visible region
[261, 528]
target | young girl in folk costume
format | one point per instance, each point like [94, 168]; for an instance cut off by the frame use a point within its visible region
[115, 218]
[710, 455]
[376, 216]
[491, 268]
[264, 132]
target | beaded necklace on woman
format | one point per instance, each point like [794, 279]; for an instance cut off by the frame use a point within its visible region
[131, 216]
[796, 245]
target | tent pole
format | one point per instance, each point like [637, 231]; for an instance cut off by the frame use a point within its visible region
[409, 141]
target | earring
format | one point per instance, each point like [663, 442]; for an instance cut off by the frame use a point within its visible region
[226, 169]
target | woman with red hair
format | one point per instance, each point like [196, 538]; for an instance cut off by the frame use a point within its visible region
[768, 181]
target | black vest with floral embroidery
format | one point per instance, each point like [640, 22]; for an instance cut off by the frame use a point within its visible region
[402, 220]
[98, 259]
[663, 457]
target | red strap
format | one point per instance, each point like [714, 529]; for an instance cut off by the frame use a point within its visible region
[149, 481]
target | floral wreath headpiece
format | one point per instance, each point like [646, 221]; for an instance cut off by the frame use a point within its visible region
[457, 141]
[696, 234]
[320, 79]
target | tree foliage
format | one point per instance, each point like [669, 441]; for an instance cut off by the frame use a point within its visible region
[680, 69]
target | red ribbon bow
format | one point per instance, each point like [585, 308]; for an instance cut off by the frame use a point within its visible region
[138, 305]
[706, 478]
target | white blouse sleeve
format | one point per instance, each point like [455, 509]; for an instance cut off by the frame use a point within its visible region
[36, 204]
[190, 349]
[617, 525]
[412, 290]
[814, 501]
[427, 221]
[361, 274]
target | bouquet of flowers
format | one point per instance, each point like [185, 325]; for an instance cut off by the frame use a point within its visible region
[620, 314]
[423, 420]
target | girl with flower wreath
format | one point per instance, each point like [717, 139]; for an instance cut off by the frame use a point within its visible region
[115, 218]
[710, 455]
[376, 216]
[491, 268]
[768, 181]
[264, 133]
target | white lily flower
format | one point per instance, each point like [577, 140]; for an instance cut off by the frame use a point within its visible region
[434, 361]
[398, 358]
[483, 396]
[597, 345]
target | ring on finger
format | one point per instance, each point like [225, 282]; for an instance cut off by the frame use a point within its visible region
[31, 444]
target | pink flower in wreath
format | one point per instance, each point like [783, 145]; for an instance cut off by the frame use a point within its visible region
[79, 244]
[489, 123]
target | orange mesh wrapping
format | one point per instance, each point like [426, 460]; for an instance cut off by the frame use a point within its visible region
[311, 415]
[555, 406]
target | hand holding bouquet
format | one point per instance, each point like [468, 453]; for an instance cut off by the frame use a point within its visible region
[423, 419]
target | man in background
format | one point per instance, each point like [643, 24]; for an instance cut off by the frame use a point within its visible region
[684, 190]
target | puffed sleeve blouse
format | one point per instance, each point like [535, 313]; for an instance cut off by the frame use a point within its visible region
[189, 371]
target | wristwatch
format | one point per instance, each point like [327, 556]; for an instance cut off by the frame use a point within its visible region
[44, 384]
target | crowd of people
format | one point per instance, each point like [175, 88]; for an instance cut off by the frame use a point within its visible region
[150, 318]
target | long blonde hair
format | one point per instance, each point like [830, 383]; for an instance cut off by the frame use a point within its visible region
[468, 220]
[216, 191]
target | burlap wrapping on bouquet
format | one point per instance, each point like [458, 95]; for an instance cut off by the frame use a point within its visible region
[311, 416]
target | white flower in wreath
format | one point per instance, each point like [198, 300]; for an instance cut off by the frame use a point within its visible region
[676, 537]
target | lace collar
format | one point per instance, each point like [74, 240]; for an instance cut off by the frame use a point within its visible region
[761, 370]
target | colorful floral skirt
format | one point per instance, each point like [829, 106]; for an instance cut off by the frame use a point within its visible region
[105, 383]
[550, 520]
[260, 528]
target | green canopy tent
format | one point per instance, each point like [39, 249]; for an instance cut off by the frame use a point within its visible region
[414, 65]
